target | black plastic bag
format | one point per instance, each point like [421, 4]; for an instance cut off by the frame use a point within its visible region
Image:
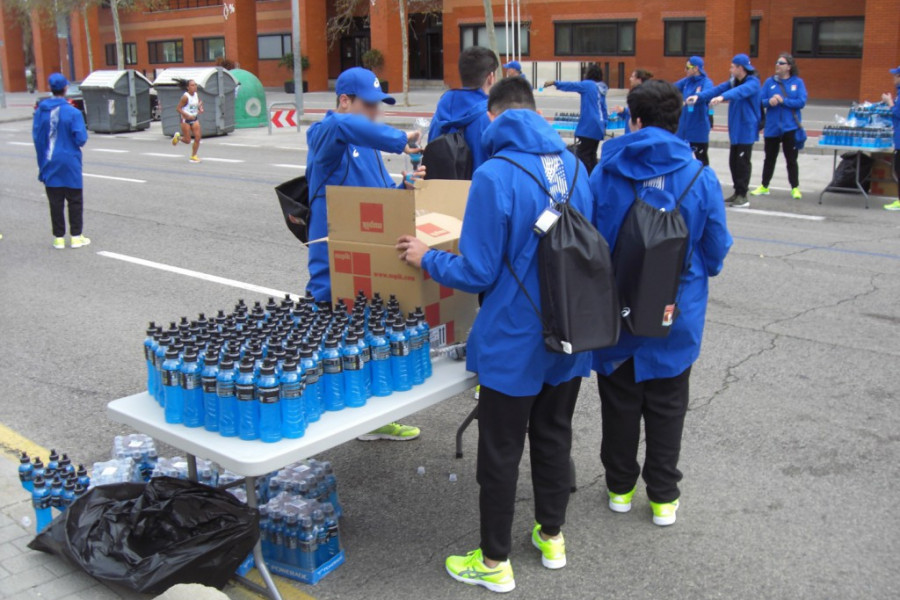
[151, 537]
[845, 174]
[293, 196]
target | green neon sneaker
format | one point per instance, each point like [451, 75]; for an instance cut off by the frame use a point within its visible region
[59, 243]
[760, 191]
[895, 205]
[79, 241]
[470, 569]
[795, 194]
[620, 503]
[553, 551]
[392, 431]
[176, 138]
[664, 514]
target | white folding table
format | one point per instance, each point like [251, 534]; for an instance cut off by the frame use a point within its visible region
[252, 459]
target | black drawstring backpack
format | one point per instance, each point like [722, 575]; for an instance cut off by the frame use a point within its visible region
[448, 157]
[579, 302]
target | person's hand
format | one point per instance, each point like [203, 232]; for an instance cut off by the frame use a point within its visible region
[773, 101]
[691, 100]
[410, 179]
[716, 100]
[549, 83]
[617, 109]
[412, 148]
[411, 250]
[412, 137]
[887, 99]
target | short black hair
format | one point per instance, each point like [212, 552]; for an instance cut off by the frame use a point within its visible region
[656, 103]
[512, 92]
[475, 64]
[643, 75]
[594, 72]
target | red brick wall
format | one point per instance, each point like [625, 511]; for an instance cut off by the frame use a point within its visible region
[12, 56]
[880, 51]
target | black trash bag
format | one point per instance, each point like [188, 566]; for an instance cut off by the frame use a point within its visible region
[151, 537]
[845, 174]
[293, 196]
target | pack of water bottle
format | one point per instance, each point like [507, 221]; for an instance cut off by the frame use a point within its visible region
[268, 372]
[177, 467]
[54, 486]
[616, 121]
[141, 449]
[565, 121]
[865, 112]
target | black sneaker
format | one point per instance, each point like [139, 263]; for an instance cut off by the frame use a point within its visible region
[740, 202]
[730, 199]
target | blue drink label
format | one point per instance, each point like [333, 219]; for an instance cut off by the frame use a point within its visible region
[209, 384]
[381, 353]
[353, 362]
[312, 375]
[399, 348]
[225, 390]
[366, 354]
[417, 342]
[331, 365]
[190, 381]
[268, 395]
[290, 390]
[171, 378]
[244, 392]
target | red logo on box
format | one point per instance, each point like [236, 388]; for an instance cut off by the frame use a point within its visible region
[343, 262]
[446, 292]
[362, 263]
[432, 230]
[371, 217]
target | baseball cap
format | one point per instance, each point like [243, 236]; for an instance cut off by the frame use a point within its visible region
[513, 64]
[697, 61]
[895, 71]
[57, 81]
[742, 60]
[363, 84]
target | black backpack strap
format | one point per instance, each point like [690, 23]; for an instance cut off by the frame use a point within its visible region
[333, 171]
[689, 186]
[527, 295]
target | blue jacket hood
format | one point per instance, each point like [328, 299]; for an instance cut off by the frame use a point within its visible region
[522, 130]
[645, 154]
[459, 109]
[48, 104]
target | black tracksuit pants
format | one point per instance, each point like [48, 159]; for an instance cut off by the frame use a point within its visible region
[741, 167]
[58, 196]
[701, 152]
[503, 424]
[663, 404]
[586, 150]
[785, 143]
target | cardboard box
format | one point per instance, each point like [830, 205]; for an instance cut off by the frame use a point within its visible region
[882, 176]
[363, 226]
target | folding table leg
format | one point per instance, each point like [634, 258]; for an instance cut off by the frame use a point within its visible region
[462, 428]
[271, 590]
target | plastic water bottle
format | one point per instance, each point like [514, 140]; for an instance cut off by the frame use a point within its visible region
[312, 391]
[160, 359]
[172, 395]
[293, 414]
[307, 544]
[277, 536]
[333, 542]
[365, 352]
[26, 472]
[150, 346]
[40, 500]
[39, 470]
[65, 466]
[354, 375]
[268, 392]
[192, 390]
[426, 338]
[247, 402]
[382, 381]
[208, 381]
[416, 348]
[82, 477]
[68, 495]
[52, 465]
[401, 377]
[56, 488]
[227, 402]
[318, 518]
[332, 378]
[291, 540]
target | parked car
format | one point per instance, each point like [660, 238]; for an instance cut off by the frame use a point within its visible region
[73, 97]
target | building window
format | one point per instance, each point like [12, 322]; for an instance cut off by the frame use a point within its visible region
[594, 38]
[166, 51]
[754, 37]
[685, 37]
[476, 35]
[273, 45]
[828, 37]
[161, 6]
[130, 50]
[209, 49]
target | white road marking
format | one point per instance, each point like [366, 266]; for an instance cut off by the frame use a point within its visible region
[239, 145]
[775, 213]
[140, 139]
[197, 274]
[112, 150]
[20, 143]
[223, 160]
[290, 148]
[287, 166]
[128, 179]
[162, 155]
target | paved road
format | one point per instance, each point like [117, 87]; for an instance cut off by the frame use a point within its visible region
[791, 446]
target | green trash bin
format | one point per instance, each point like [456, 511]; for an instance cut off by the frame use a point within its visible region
[249, 100]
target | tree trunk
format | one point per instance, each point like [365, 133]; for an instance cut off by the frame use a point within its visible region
[492, 34]
[87, 39]
[404, 37]
[117, 28]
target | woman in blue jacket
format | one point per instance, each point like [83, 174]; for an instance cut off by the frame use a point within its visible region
[592, 125]
[892, 101]
[694, 125]
[783, 97]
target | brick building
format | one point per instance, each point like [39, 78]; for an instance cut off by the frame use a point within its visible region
[843, 48]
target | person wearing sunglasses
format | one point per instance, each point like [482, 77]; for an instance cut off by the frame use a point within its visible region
[695, 124]
[783, 97]
[894, 103]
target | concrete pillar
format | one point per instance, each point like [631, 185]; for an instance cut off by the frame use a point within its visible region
[384, 18]
[12, 54]
[880, 49]
[314, 43]
[727, 34]
[46, 49]
[240, 36]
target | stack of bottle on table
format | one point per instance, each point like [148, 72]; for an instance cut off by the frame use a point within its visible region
[867, 112]
[565, 121]
[53, 486]
[615, 122]
[267, 372]
[861, 137]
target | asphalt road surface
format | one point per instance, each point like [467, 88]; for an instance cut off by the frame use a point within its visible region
[790, 449]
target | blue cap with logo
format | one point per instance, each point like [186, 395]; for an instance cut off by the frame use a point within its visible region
[57, 82]
[363, 84]
[513, 64]
[895, 71]
[742, 60]
[697, 61]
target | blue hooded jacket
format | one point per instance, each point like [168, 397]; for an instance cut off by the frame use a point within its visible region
[743, 108]
[463, 108]
[780, 118]
[655, 158]
[694, 124]
[895, 120]
[592, 123]
[506, 345]
[58, 132]
[343, 150]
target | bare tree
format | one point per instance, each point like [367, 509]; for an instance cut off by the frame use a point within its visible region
[404, 37]
[492, 34]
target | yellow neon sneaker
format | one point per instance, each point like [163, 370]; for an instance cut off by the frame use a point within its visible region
[470, 569]
[59, 243]
[79, 240]
[795, 194]
[620, 503]
[760, 191]
[176, 138]
[195, 159]
[664, 514]
[553, 551]
[895, 205]
[395, 432]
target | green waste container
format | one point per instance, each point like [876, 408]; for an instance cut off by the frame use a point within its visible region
[249, 100]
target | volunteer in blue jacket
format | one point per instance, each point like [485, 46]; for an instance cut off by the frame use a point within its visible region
[59, 134]
[637, 77]
[894, 103]
[526, 391]
[694, 125]
[514, 69]
[467, 107]
[592, 122]
[649, 377]
[742, 93]
[783, 97]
